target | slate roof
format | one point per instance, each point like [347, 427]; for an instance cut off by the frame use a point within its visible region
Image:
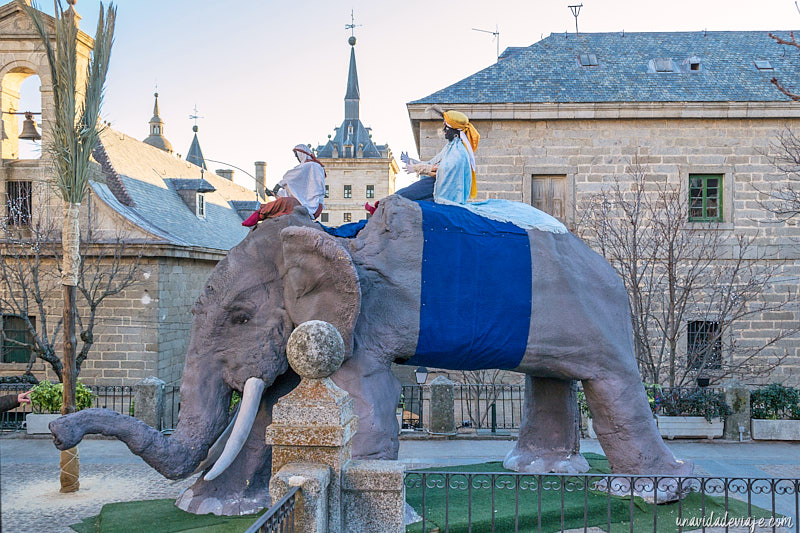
[549, 71]
[149, 176]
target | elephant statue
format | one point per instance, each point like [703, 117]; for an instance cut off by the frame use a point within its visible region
[422, 283]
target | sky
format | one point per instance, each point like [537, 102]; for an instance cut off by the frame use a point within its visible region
[266, 75]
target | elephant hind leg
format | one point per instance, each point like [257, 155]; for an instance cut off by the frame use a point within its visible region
[548, 436]
[626, 428]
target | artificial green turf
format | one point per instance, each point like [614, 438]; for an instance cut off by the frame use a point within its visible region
[159, 515]
[600, 508]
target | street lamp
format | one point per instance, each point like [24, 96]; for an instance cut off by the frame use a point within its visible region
[421, 373]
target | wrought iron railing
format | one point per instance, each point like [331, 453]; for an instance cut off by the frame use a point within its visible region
[279, 518]
[118, 398]
[172, 404]
[488, 406]
[510, 501]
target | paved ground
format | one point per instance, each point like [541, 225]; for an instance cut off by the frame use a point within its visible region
[110, 473]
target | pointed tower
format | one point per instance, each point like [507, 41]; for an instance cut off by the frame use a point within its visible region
[358, 170]
[156, 137]
[195, 154]
[352, 97]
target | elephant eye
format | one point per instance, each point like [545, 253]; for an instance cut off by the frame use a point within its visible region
[241, 318]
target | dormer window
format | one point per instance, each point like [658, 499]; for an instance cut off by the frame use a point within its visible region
[201, 205]
[693, 64]
[763, 64]
[662, 64]
[587, 60]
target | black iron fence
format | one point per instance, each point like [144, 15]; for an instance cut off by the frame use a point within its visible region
[412, 405]
[488, 406]
[279, 518]
[510, 501]
[118, 398]
[172, 404]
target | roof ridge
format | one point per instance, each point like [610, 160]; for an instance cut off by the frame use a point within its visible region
[113, 182]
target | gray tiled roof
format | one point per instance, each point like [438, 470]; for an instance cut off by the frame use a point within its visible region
[149, 174]
[550, 71]
[199, 185]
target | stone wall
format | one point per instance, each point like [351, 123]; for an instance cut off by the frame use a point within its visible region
[180, 282]
[590, 153]
[358, 173]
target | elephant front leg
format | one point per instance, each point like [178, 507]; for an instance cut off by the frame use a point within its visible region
[242, 488]
[376, 393]
[549, 439]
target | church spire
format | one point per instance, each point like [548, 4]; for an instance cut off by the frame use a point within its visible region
[352, 96]
[156, 137]
[195, 154]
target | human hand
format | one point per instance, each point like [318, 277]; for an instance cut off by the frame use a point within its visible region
[404, 157]
[434, 169]
[24, 397]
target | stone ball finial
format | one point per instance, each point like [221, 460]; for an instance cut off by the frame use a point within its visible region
[351, 41]
[315, 349]
[194, 129]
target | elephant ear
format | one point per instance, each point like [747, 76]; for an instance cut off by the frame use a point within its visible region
[321, 282]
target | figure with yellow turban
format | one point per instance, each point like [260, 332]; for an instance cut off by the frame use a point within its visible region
[450, 175]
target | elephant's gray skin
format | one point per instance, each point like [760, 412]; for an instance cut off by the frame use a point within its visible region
[287, 271]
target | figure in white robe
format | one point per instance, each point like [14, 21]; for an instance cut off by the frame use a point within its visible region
[305, 182]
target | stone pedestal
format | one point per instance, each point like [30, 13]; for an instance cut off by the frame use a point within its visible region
[311, 505]
[148, 401]
[442, 414]
[737, 396]
[373, 497]
[315, 422]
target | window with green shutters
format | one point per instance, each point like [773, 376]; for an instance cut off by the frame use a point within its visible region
[705, 197]
[17, 340]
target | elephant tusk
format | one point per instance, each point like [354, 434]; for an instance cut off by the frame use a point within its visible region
[251, 399]
[218, 447]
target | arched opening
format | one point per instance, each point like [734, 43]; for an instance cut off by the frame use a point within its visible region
[20, 92]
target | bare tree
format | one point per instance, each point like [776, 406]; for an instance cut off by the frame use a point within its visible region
[792, 43]
[689, 284]
[30, 280]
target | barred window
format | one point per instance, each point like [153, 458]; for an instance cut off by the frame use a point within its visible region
[17, 339]
[18, 203]
[348, 191]
[347, 217]
[201, 205]
[704, 345]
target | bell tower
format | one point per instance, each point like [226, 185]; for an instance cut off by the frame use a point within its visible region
[23, 181]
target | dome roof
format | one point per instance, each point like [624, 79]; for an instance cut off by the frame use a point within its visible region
[160, 142]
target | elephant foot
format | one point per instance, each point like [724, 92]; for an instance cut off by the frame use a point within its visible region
[204, 498]
[540, 461]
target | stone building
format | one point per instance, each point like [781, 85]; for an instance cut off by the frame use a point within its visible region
[358, 170]
[561, 119]
[179, 220]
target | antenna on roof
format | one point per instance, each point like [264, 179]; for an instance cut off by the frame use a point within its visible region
[576, 10]
[705, 32]
[496, 35]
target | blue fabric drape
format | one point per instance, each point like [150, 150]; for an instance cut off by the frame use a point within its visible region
[475, 307]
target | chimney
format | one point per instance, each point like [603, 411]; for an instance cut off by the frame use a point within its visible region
[261, 177]
[225, 173]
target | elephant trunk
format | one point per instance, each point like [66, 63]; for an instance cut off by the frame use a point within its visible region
[203, 417]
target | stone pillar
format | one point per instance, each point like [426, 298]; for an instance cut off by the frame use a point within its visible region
[148, 401]
[311, 504]
[373, 497]
[442, 416]
[315, 422]
[737, 396]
